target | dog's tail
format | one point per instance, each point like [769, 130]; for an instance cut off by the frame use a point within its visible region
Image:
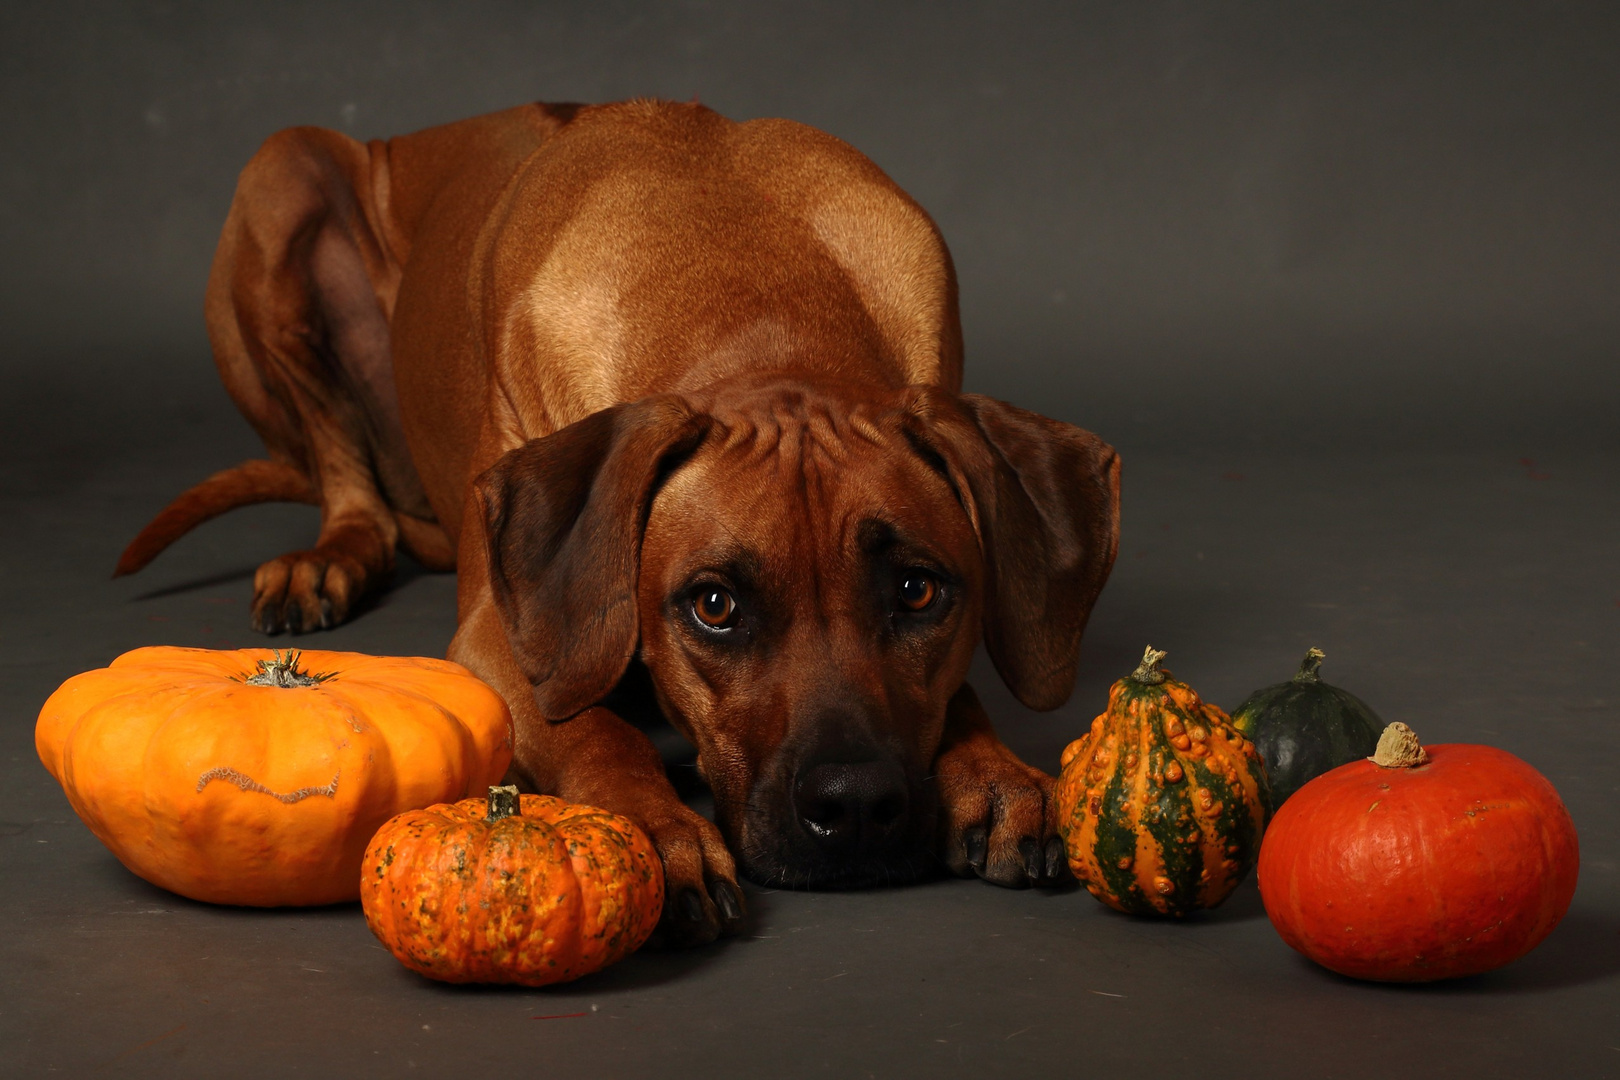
[245, 484]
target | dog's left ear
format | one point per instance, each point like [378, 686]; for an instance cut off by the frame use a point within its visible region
[1043, 497]
[563, 518]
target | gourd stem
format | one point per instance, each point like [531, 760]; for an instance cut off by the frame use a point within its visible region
[1309, 665]
[1398, 748]
[283, 672]
[1147, 672]
[503, 802]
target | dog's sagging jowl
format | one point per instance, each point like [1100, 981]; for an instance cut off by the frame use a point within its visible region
[674, 394]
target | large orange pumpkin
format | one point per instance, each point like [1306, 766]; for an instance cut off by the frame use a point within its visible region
[503, 891]
[1420, 863]
[246, 777]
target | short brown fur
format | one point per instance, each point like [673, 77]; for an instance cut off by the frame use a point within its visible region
[590, 356]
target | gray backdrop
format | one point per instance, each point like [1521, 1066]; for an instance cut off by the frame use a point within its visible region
[1338, 281]
[1178, 223]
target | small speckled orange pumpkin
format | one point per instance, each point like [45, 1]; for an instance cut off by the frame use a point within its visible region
[502, 891]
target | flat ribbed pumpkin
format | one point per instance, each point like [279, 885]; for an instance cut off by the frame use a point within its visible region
[503, 890]
[248, 777]
[1163, 802]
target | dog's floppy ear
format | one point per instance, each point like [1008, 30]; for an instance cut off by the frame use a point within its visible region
[563, 518]
[1044, 498]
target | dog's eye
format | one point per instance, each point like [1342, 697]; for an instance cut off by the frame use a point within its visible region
[715, 608]
[918, 591]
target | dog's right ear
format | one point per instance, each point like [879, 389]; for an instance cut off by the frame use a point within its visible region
[1043, 497]
[563, 518]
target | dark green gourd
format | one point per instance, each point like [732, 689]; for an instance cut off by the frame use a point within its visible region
[1304, 727]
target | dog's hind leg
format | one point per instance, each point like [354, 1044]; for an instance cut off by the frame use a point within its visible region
[298, 306]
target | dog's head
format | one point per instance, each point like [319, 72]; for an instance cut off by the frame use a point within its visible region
[805, 573]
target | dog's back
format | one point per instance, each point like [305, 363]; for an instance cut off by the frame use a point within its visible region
[462, 289]
[649, 247]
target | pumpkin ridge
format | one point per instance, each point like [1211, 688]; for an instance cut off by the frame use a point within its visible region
[178, 660]
[159, 815]
[1166, 819]
[429, 724]
[66, 709]
[413, 917]
[564, 951]
[482, 741]
[1224, 823]
[599, 910]
[93, 711]
[162, 818]
[520, 846]
[383, 917]
[462, 937]
[1114, 839]
[455, 851]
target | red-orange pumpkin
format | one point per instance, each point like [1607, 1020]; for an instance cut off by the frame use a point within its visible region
[503, 891]
[1420, 864]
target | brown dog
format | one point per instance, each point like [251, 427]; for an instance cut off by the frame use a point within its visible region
[678, 399]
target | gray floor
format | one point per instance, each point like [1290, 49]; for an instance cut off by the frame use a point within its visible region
[1474, 596]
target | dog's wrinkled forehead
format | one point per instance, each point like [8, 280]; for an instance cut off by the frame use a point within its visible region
[787, 467]
[802, 442]
[811, 430]
[793, 419]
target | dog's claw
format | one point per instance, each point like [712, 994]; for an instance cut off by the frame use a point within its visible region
[1030, 849]
[691, 907]
[726, 899]
[1056, 859]
[977, 842]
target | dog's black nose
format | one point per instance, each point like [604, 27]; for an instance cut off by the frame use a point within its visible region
[851, 806]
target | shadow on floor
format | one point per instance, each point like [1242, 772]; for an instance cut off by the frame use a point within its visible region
[1585, 948]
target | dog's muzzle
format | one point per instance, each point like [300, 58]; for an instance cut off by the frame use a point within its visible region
[839, 820]
[852, 810]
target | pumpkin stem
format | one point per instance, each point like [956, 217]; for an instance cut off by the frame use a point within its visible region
[283, 672]
[503, 802]
[1398, 748]
[1309, 665]
[1147, 672]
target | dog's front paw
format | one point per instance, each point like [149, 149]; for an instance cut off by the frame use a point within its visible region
[701, 897]
[997, 819]
[307, 590]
